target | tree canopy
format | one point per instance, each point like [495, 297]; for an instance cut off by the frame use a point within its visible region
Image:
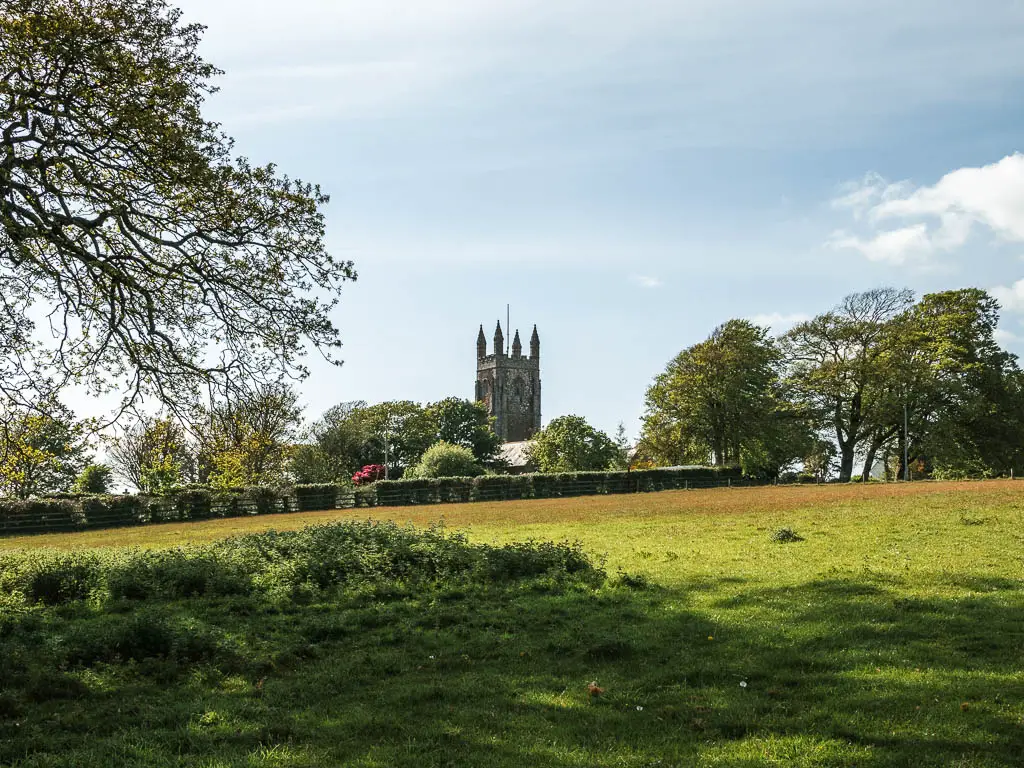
[249, 439]
[42, 450]
[466, 423]
[570, 444]
[880, 367]
[837, 365]
[721, 399]
[153, 454]
[156, 261]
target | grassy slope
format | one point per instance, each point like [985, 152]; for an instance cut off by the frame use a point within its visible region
[893, 635]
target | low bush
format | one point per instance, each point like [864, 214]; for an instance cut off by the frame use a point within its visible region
[786, 536]
[292, 564]
[50, 578]
[177, 573]
[446, 460]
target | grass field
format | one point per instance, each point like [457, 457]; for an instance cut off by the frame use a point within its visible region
[891, 635]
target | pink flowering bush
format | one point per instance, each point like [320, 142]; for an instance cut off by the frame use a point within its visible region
[371, 473]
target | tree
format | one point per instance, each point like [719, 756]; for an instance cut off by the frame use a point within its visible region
[159, 257]
[95, 478]
[42, 450]
[466, 423]
[443, 459]
[309, 464]
[154, 454]
[820, 458]
[399, 432]
[713, 398]
[623, 447]
[786, 436]
[354, 434]
[341, 437]
[570, 444]
[837, 365]
[250, 439]
[966, 413]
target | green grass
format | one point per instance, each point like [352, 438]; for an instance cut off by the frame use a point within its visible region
[892, 635]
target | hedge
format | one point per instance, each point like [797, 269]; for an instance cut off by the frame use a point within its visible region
[203, 503]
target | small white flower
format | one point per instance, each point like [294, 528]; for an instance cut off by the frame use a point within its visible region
[432, 658]
[639, 708]
[743, 683]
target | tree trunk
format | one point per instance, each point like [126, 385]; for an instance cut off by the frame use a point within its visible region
[869, 460]
[845, 461]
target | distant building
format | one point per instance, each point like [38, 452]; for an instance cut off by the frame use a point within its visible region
[516, 457]
[509, 385]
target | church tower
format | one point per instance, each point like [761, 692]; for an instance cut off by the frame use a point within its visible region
[509, 385]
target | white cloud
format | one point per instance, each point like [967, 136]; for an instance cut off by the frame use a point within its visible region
[937, 219]
[778, 321]
[861, 196]
[1010, 297]
[646, 281]
[896, 246]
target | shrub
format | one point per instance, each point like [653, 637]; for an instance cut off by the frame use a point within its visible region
[371, 473]
[446, 460]
[142, 636]
[95, 478]
[52, 579]
[177, 574]
[786, 536]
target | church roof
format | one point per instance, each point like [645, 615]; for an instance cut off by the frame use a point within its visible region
[515, 454]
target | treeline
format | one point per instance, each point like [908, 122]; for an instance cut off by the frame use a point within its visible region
[258, 437]
[881, 382]
[878, 378]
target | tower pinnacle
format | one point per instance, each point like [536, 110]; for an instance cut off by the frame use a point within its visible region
[535, 344]
[517, 346]
[499, 341]
[481, 344]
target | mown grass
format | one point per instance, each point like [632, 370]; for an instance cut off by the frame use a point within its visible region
[891, 635]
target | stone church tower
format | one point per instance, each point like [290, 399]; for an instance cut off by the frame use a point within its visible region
[509, 385]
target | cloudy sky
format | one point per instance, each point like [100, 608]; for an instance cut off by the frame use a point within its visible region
[627, 175]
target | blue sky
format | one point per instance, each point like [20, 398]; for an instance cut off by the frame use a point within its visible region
[627, 175]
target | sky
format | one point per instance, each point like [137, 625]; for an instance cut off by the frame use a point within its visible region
[627, 175]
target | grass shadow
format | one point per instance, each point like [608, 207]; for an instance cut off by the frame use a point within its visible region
[831, 672]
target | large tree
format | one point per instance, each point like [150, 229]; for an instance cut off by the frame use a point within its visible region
[466, 423]
[399, 433]
[153, 454]
[570, 444]
[157, 260]
[42, 450]
[714, 398]
[965, 407]
[249, 439]
[837, 361]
